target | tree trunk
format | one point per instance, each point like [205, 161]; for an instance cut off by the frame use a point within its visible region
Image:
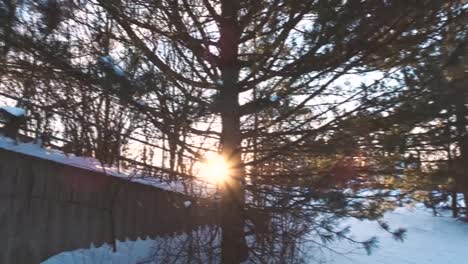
[232, 198]
[172, 155]
[233, 245]
[462, 176]
[454, 204]
[453, 186]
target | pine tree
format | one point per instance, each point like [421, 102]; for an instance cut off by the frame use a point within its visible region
[432, 101]
[229, 62]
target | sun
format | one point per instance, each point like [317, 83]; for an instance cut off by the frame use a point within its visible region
[214, 168]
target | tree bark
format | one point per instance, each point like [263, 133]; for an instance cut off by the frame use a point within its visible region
[233, 245]
[454, 204]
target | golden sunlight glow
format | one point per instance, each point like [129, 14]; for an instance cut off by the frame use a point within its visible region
[214, 168]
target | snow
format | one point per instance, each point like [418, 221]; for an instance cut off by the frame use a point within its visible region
[118, 71]
[428, 240]
[107, 60]
[149, 251]
[141, 102]
[273, 98]
[16, 111]
[127, 252]
[35, 150]
[187, 204]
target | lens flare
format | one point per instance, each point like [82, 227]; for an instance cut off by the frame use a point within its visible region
[214, 168]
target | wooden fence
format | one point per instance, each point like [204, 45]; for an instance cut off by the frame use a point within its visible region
[47, 208]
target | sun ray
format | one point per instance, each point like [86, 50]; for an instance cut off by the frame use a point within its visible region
[214, 168]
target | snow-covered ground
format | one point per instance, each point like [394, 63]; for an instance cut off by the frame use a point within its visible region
[128, 252]
[177, 249]
[430, 240]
